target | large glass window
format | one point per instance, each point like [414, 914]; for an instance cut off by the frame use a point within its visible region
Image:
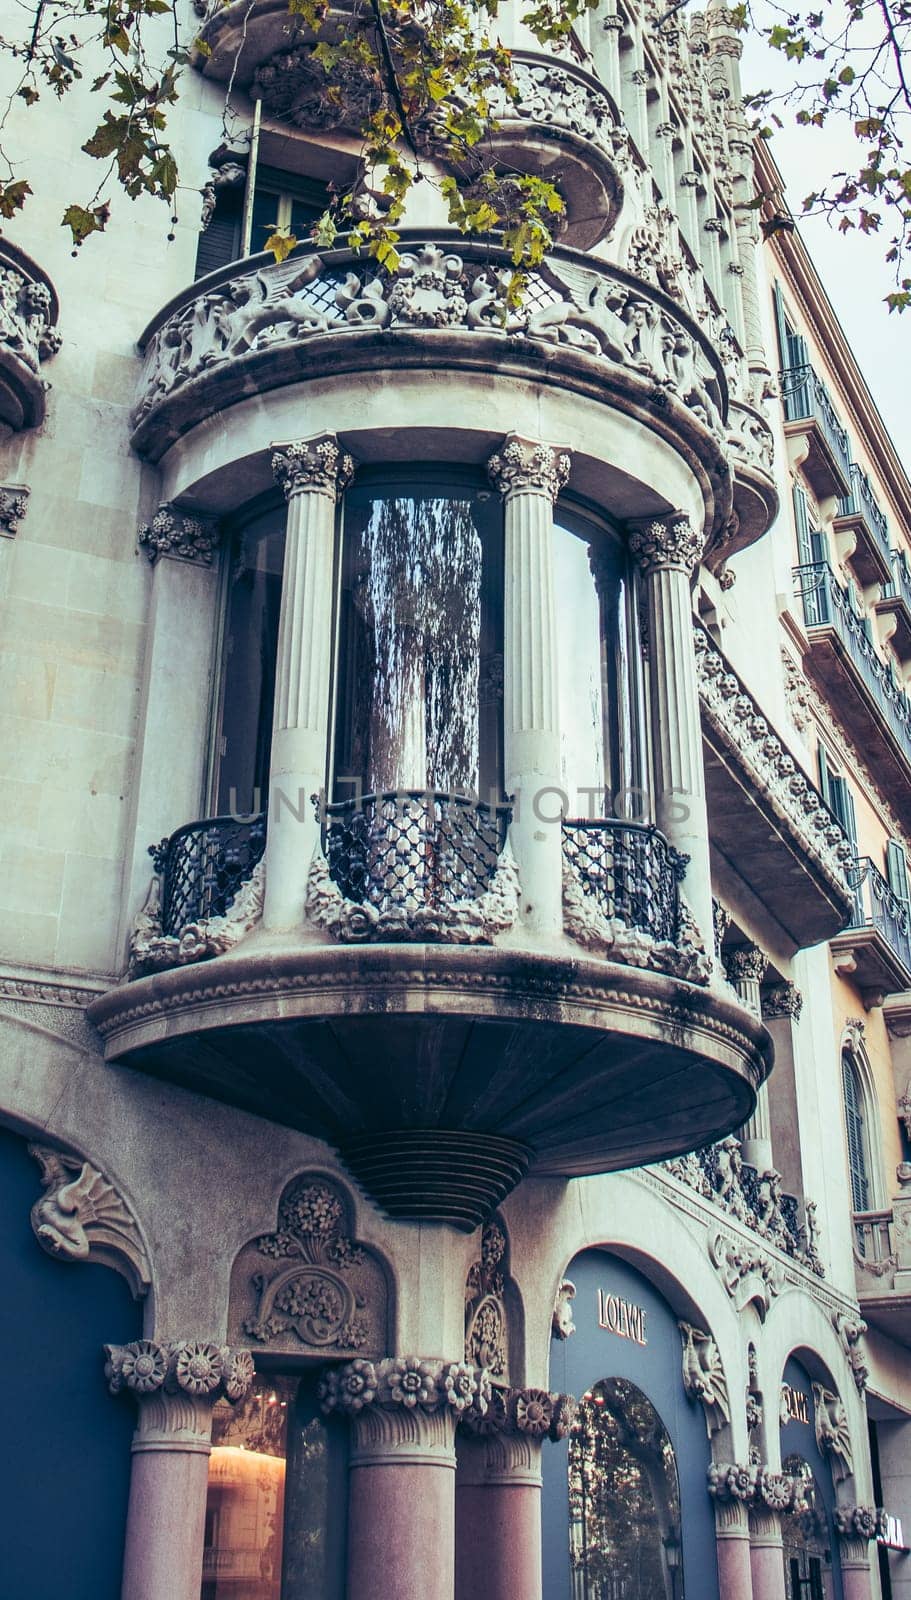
[624, 1497]
[807, 1551]
[249, 647]
[276, 1509]
[418, 702]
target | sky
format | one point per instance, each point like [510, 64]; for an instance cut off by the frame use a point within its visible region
[852, 266]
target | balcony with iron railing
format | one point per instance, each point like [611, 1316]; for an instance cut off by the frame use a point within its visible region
[875, 949]
[844, 657]
[861, 517]
[809, 409]
[895, 603]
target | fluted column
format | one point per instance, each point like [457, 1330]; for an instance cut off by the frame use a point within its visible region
[766, 1554]
[311, 473]
[855, 1528]
[498, 1493]
[667, 551]
[176, 1385]
[745, 968]
[401, 1495]
[529, 476]
[732, 1543]
[781, 1008]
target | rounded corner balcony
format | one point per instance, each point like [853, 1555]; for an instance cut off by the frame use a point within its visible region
[28, 337]
[409, 1022]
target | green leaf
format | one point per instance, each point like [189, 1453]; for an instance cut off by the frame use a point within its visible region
[12, 196]
[82, 221]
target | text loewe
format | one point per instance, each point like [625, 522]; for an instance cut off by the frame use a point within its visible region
[795, 1406]
[621, 1317]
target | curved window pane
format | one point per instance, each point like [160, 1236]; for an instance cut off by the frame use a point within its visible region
[420, 641]
[624, 1499]
[249, 652]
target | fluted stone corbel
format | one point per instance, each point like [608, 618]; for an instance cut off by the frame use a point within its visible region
[180, 535]
[530, 475]
[82, 1217]
[311, 473]
[667, 551]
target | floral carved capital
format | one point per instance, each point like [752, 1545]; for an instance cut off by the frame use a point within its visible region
[81, 1217]
[747, 964]
[783, 1000]
[198, 1367]
[180, 535]
[13, 506]
[524, 466]
[312, 466]
[660, 544]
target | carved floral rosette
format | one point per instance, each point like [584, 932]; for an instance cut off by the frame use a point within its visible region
[408, 1382]
[460, 922]
[536, 1413]
[755, 1485]
[202, 1369]
[309, 1286]
[856, 1522]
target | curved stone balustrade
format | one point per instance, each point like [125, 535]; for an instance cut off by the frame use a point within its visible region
[28, 337]
[751, 447]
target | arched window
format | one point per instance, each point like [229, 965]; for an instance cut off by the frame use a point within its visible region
[858, 1139]
[624, 1499]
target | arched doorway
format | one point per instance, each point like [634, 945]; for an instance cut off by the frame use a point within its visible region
[624, 1498]
[807, 1552]
[811, 1564]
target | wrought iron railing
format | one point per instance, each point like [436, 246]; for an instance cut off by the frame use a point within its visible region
[408, 848]
[826, 604]
[630, 870]
[876, 906]
[203, 865]
[862, 502]
[901, 578]
[804, 395]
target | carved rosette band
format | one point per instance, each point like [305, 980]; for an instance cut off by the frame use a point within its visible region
[176, 1383]
[524, 466]
[660, 544]
[856, 1522]
[312, 466]
[180, 535]
[755, 1487]
[81, 1217]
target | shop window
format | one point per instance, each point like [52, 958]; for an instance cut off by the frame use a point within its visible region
[807, 1551]
[624, 1499]
[249, 647]
[275, 1517]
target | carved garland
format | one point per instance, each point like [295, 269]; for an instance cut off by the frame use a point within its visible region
[462, 922]
[198, 1367]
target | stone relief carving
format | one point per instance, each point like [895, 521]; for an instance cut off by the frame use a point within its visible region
[736, 717]
[746, 1272]
[13, 506]
[524, 466]
[81, 1217]
[533, 1412]
[833, 1435]
[570, 303]
[584, 922]
[461, 922]
[228, 170]
[309, 1286]
[665, 542]
[486, 1314]
[175, 533]
[562, 1323]
[719, 1173]
[856, 1522]
[755, 1485]
[798, 694]
[851, 1331]
[559, 97]
[782, 1000]
[151, 950]
[406, 1383]
[203, 1370]
[703, 1376]
[26, 317]
[312, 466]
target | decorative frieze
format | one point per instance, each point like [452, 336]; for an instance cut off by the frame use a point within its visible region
[703, 1376]
[667, 542]
[181, 535]
[536, 1413]
[525, 466]
[756, 1487]
[746, 1272]
[856, 1522]
[486, 1311]
[719, 1173]
[82, 1217]
[312, 466]
[310, 1287]
[13, 506]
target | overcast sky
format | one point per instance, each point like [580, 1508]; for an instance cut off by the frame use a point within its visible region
[851, 266]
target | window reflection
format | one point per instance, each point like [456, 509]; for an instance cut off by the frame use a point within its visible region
[806, 1539]
[242, 1556]
[248, 677]
[624, 1499]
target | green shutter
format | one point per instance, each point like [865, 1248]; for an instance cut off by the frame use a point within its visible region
[802, 523]
[854, 1122]
[781, 325]
[822, 760]
[897, 870]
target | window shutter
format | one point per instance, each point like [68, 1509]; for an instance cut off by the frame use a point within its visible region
[897, 870]
[781, 325]
[220, 244]
[854, 1122]
[823, 763]
[802, 522]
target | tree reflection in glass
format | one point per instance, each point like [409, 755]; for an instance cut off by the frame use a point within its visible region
[624, 1499]
[245, 1508]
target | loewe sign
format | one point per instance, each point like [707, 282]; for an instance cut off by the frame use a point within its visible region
[794, 1405]
[621, 1317]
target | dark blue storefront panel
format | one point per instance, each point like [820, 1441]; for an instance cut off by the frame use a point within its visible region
[799, 1438]
[592, 1353]
[66, 1442]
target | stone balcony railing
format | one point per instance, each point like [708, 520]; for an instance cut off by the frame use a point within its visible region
[28, 337]
[882, 1254]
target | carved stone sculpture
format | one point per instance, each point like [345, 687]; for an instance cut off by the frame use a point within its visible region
[151, 950]
[562, 1322]
[486, 1314]
[833, 1435]
[684, 957]
[851, 1331]
[81, 1217]
[14, 499]
[200, 1368]
[665, 542]
[459, 922]
[186, 537]
[703, 1376]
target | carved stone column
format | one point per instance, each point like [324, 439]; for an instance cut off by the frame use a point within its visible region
[732, 1540]
[856, 1526]
[176, 1386]
[781, 1007]
[530, 476]
[172, 742]
[498, 1493]
[401, 1498]
[745, 968]
[312, 473]
[766, 1554]
[667, 551]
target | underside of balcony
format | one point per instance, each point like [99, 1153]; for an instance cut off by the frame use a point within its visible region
[858, 711]
[446, 1071]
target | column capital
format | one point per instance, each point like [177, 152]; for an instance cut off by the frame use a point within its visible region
[13, 506]
[181, 535]
[403, 1409]
[855, 1526]
[782, 1000]
[659, 543]
[746, 964]
[312, 466]
[525, 466]
[176, 1383]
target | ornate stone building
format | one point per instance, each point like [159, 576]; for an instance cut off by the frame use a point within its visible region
[455, 942]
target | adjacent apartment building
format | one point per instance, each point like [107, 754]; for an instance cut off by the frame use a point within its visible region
[455, 951]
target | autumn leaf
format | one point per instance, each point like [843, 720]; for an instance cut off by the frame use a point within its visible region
[280, 244]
